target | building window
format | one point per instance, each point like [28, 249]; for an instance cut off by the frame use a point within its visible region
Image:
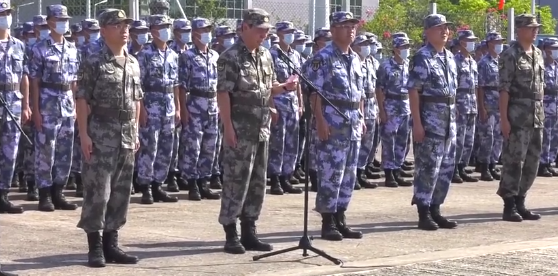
[335, 5]
[234, 8]
[356, 8]
[78, 8]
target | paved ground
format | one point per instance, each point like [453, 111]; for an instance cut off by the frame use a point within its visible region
[185, 239]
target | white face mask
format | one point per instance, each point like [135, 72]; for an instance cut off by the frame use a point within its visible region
[498, 48]
[470, 46]
[404, 53]
[373, 50]
[365, 51]
[228, 42]
[43, 34]
[94, 36]
[62, 27]
[5, 22]
[300, 48]
[164, 34]
[266, 43]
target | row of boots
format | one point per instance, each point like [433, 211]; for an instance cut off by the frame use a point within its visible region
[50, 199]
[546, 170]
[488, 171]
[461, 174]
[281, 184]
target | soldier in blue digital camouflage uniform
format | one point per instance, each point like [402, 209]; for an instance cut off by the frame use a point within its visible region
[93, 42]
[309, 47]
[283, 143]
[550, 101]
[299, 42]
[225, 37]
[40, 27]
[363, 46]
[182, 31]
[490, 135]
[14, 89]
[28, 33]
[138, 36]
[77, 34]
[52, 68]
[200, 113]
[466, 101]
[307, 43]
[159, 113]
[432, 84]
[394, 111]
[336, 70]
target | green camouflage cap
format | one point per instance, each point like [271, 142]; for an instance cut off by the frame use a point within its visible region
[114, 17]
[256, 17]
[526, 21]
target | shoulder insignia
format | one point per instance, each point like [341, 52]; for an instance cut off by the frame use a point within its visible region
[316, 64]
[221, 65]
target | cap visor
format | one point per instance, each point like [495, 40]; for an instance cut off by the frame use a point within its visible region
[263, 26]
[140, 28]
[63, 17]
[183, 28]
[352, 20]
[534, 25]
[94, 28]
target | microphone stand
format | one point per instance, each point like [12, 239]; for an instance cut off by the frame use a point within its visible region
[305, 243]
[4, 105]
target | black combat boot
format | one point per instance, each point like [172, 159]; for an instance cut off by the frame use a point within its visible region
[71, 183]
[397, 176]
[79, 185]
[45, 200]
[551, 170]
[485, 173]
[113, 253]
[59, 199]
[439, 219]
[372, 172]
[403, 173]
[376, 163]
[390, 179]
[361, 178]
[525, 213]
[478, 167]
[172, 185]
[409, 163]
[15, 181]
[249, 237]
[357, 185]
[4, 273]
[22, 182]
[465, 175]
[510, 210]
[456, 176]
[494, 172]
[313, 175]
[232, 242]
[182, 183]
[425, 219]
[341, 224]
[293, 180]
[146, 194]
[135, 184]
[275, 188]
[215, 182]
[159, 195]
[299, 173]
[287, 186]
[193, 190]
[95, 255]
[205, 191]
[407, 167]
[6, 206]
[543, 171]
[329, 228]
[32, 192]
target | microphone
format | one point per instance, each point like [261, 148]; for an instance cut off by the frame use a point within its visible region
[280, 51]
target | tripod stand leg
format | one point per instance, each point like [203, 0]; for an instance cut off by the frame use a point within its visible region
[286, 250]
[322, 254]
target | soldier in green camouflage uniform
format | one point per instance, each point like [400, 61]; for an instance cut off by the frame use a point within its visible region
[522, 115]
[246, 81]
[109, 82]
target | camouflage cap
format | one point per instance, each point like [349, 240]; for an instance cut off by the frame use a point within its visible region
[322, 32]
[68, 34]
[27, 28]
[379, 45]
[39, 20]
[342, 17]
[308, 40]
[550, 42]
[284, 26]
[360, 39]
[526, 21]
[223, 31]
[238, 24]
[399, 34]
[138, 25]
[114, 17]
[5, 5]
[433, 20]
[370, 35]
[58, 11]
[256, 17]
[400, 42]
[273, 38]
[182, 24]
[158, 20]
[466, 34]
[101, 11]
[494, 36]
[76, 28]
[200, 23]
[90, 25]
[159, 7]
[299, 35]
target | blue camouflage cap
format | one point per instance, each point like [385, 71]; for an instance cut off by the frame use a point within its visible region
[433, 20]
[466, 34]
[238, 24]
[399, 34]
[256, 17]
[359, 39]
[182, 24]
[58, 11]
[342, 17]
[284, 26]
[223, 31]
[90, 24]
[370, 35]
[494, 36]
[5, 5]
[379, 46]
[322, 32]
[299, 35]
[114, 17]
[28, 28]
[550, 42]
[273, 38]
[76, 28]
[400, 42]
[39, 20]
[158, 20]
[308, 39]
[200, 23]
[139, 25]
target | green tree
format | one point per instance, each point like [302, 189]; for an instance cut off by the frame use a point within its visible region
[210, 9]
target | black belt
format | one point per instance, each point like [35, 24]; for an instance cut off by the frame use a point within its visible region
[9, 87]
[113, 113]
[203, 94]
[551, 92]
[345, 104]
[532, 96]
[56, 86]
[491, 88]
[437, 99]
[466, 90]
[158, 88]
[400, 97]
[250, 101]
[370, 95]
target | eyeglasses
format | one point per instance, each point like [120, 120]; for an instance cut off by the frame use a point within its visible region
[120, 26]
[347, 26]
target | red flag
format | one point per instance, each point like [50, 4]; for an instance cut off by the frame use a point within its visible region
[501, 4]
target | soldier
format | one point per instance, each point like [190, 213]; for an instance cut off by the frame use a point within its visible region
[18, 32]
[490, 136]
[432, 71]
[52, 68]
[299, 43]
[394, 111]
[245, 82]
[160, 111]
[225, 37]
[467, 82]
[322, 38]
[379, 55]
[109, 84]
[29, 37]
[93, 43]
[77, 34]
[550, 134]
[336, 70]
[362, 45]
[40, 27]
[138, 35]
[373, 168]
[182, 32]
[15, 99]
[521, 71]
